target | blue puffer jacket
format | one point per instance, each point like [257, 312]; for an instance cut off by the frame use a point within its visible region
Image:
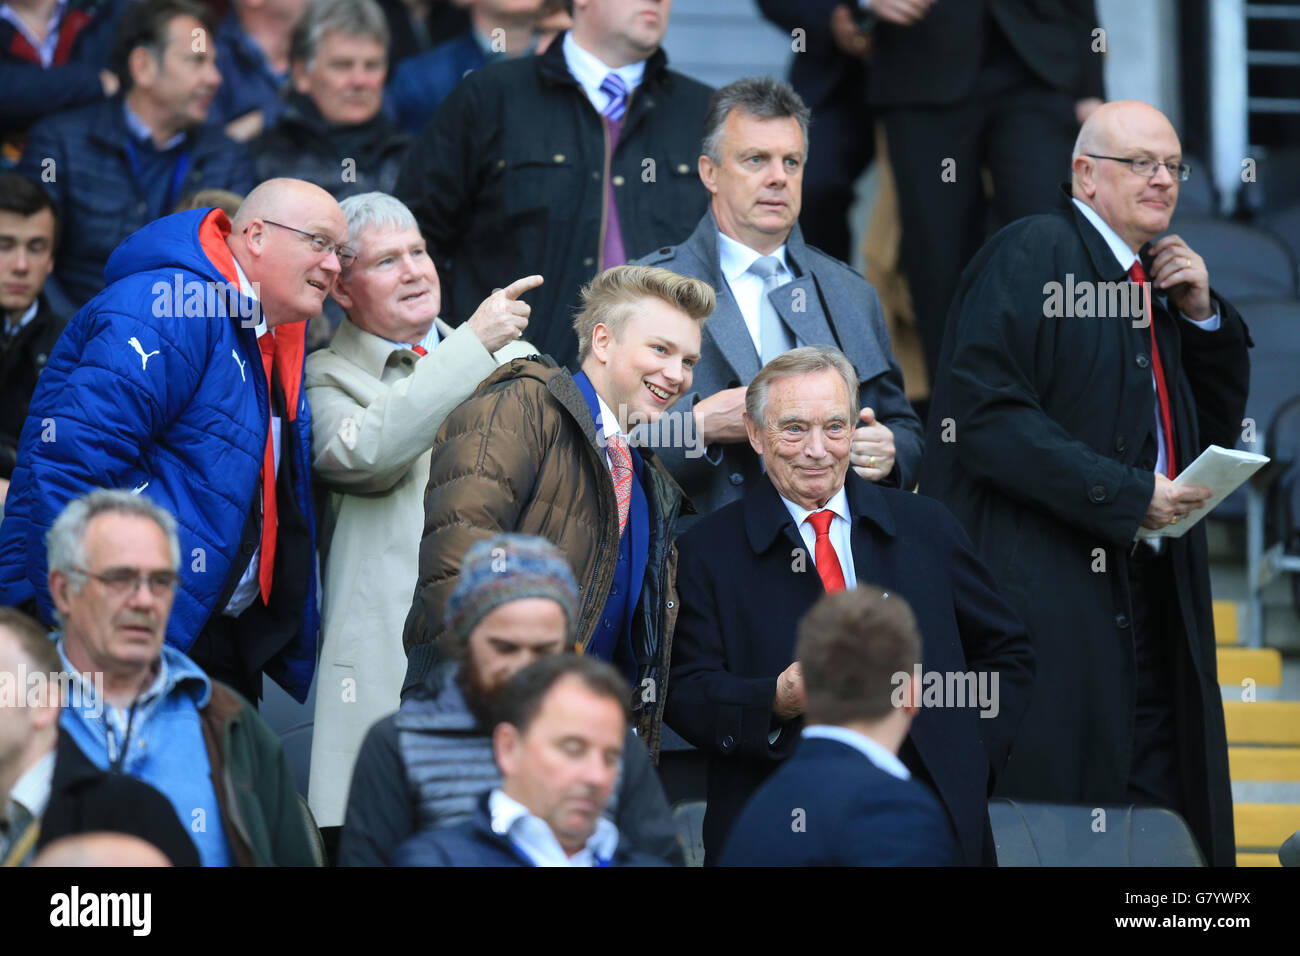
[174, 407]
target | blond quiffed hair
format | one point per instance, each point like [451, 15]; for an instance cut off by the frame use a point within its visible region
[607, 299]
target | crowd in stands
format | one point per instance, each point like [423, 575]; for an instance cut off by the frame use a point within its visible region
[463, 359]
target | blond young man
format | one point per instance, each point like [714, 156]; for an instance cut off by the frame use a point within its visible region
[541, 451]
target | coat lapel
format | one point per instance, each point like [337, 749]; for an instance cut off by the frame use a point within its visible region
[800, 308]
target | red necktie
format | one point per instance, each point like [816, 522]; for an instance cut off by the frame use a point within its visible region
[620, 470]
[419, 350]
[269, 519]
[1138, 275]
[828, 562]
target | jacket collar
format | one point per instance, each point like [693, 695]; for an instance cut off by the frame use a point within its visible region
[367, 350]
[180, 676]
[1099, 250]
[766, 517]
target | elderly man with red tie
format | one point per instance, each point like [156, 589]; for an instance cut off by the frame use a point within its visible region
[750, 570]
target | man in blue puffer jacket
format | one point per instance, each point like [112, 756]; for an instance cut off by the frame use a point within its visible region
[181, 381]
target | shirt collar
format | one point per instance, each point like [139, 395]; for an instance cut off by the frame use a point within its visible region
[248, 290]
[31, 791]
[838, 503]
[1118, 246]
[609, 426]
[140, 130]
[735, 258]
[590, 71]
[28, 316]
[533, 836]
[428, 343]
[877, 753]
[44, 49]
[174, 667]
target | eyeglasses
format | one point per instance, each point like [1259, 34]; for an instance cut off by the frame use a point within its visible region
[323, 245]
[1147, 168]
[123, 582]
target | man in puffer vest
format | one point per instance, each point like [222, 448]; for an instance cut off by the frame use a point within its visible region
[429, 765]
[181, 381]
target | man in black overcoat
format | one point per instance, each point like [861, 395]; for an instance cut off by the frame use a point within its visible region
[749, 571]
[1054, 432]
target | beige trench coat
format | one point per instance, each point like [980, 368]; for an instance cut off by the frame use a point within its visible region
[375, 411]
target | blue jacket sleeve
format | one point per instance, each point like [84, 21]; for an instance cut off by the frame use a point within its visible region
[31, 92]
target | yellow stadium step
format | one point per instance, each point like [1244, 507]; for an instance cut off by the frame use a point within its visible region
[1263, 722]
[1258, 859]
[1225, 622]
[1264, 763]
[1263, 665]
[1265, 825]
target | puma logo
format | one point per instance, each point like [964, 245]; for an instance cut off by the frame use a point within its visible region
[235, 356]
[144, 356]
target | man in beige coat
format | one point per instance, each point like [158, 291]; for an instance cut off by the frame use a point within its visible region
[378, 395]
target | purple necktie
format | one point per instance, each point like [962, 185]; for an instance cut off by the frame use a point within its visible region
[611, 247]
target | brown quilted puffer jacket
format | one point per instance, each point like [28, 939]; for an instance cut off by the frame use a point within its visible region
[522, 454]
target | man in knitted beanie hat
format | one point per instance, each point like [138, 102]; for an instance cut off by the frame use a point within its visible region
[426, 766]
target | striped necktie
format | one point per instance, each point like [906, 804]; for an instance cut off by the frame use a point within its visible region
[614, 87]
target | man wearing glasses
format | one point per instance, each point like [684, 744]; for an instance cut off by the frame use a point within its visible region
[144, 708]
[182, 382]
[1056, 433]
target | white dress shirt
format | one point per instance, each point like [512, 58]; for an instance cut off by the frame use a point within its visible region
[249, 585]
[26, 319]
[873, 751]
[31, 791]
[839, 532]
[533, 838]
[734, 259]
[428, 343]
[590, 71]
[1127, 257]
[608, 426]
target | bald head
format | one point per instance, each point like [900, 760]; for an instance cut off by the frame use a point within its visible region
[284, 238]
[101, 849]
[1138, 208]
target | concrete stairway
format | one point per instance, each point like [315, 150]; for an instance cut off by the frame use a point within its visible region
[1261, 704]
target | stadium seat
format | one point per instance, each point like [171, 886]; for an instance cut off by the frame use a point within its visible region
[1275, 328]
[1197, 196]
[1051, 834]
[1244, 262]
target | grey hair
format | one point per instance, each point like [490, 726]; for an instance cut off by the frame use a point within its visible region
[375, 211]
[800, 361]
[65, 542]
[354, 17]
[760, 96]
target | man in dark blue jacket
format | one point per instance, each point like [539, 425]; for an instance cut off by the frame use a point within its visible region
[113, 166]
[559, 744]
[844, 798]
[181, 381]
[749, 571]
[65, 67]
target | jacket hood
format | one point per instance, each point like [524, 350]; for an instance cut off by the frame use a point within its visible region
[192, 241]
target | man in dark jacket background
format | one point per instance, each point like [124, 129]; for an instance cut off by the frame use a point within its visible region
[333, 132]
[543, 452]
[428, 765]
[63, 67]
[563, 164]
[114, 166]
[559, 743]
[1054, 435]
[28, 231]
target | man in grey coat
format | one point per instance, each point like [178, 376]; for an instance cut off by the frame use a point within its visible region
[378, 395]
[774, 293]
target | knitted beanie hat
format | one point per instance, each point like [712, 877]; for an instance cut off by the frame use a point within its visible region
[505, 568]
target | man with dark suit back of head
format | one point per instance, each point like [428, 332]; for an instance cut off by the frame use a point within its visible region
[844, 798]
